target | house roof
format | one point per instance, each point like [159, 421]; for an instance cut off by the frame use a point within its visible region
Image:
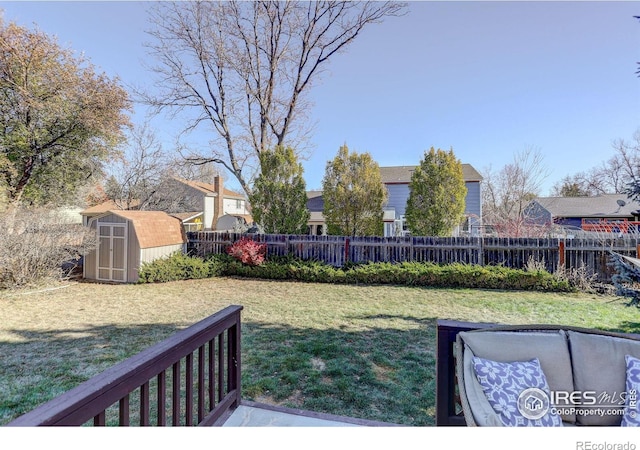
[154, 228]
[210, 189]
[402, 174]
[605, 205]
[184, 216]
[205, 188]
[109, 205]
[315, 201]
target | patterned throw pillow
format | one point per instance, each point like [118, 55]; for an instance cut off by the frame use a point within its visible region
[632, 411]
[517, 391]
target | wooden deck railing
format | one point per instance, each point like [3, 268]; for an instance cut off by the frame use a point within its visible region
[191, 378]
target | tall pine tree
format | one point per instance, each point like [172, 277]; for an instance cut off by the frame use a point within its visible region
[436, 200]
[279, 198]
[353, 195]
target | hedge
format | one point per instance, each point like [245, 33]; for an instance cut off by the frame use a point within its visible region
[180, 267]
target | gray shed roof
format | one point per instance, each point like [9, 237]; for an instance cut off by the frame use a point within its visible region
[402, 174]
[605, 205]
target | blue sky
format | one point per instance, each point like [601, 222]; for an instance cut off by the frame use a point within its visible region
[487, 79]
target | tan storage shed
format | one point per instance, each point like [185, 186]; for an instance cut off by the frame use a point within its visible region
[126, 239]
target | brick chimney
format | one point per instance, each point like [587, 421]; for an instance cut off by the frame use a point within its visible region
[218, 211]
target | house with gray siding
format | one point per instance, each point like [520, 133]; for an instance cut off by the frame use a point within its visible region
[397, 179]
[576, 212]
[315, 204]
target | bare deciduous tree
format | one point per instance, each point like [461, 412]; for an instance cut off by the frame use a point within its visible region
[613, 176]
[138, 171]
[144, 176]
[243, 69]
[506, 193]
[40, 244]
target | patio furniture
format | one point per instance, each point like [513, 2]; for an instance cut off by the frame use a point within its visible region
[535, 375]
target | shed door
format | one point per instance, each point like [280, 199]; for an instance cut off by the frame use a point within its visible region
[112, 252]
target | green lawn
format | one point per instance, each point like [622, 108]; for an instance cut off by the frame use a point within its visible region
[361, 351]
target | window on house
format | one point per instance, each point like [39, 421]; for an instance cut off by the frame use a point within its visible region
[319, 230]
[466, 225]
[238, 204]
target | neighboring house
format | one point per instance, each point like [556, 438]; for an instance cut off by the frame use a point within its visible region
[197, 204]
[588, 213]
[191, 221]
[127, 239]
[101, 208]
[397, 179]
[214, 205]
[315, 204]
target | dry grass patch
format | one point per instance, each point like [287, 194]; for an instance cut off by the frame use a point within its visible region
[382, 373]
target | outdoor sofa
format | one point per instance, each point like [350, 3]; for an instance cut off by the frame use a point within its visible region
[542, 375]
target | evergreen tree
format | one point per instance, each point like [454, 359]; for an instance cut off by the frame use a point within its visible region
[353, 195]
[279, 198]
[627, 279]
[436, 200]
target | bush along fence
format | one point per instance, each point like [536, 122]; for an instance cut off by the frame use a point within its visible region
[339, 251]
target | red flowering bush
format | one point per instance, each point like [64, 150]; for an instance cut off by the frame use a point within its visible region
[248, 251]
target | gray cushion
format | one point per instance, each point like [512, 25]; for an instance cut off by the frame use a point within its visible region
[483, 414]
[550, 347]
[599, 365]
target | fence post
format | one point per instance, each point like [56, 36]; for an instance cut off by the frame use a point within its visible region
[346, 250]
[561, 253]
[287, 249]
[412, 254]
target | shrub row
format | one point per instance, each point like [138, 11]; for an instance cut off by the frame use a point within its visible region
[179, 266]
[407, 273]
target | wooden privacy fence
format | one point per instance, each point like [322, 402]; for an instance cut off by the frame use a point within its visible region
[590, 254]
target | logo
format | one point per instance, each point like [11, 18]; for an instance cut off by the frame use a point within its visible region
[533, 403]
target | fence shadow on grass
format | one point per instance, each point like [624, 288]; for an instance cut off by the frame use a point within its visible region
[37, 366]
[625, 327]
[375, 366]
[369, 368]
